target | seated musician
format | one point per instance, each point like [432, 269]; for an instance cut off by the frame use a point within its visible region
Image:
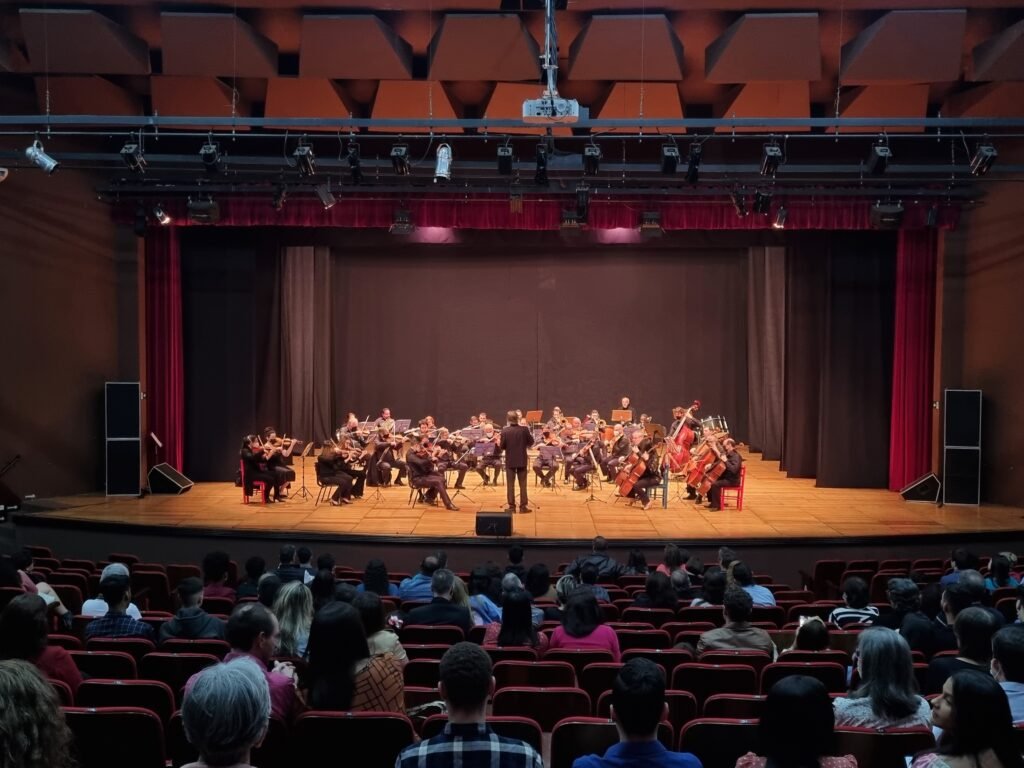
[487, 457]
[353, 457]
[483, 419]
[651, 475]
[474, 421]
[254, 459]
[617, 451]
[352, 430]
[583, 463]
[450, 455]
[593, 421]
[556, 421]
[387, 457]
[547, 461]
[731, 476]
[330, 470]
[385, 420]
[570, 436]
[423, 475]
[280, 450]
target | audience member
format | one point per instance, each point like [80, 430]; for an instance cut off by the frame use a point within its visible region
[796, 728]
[216, 567]
[713, 589]
[324, 589]
[961, 560]
[636, 564]
[515, 562]
[510, 583]
[304, 556]
[191, 622]
[254, 568]
[117, 594]
[607, 567]
[906, 617]
[538, 582]
[737, 634]
[672, 560]
[375, 579]
[855, 608]
[293, 608]
[726, 558]
[1008, 667]
[226, 713]
[583, 626]
[811, 635]
[466, 684]
[33, 733]
[24, 633]
[417, 586]
[658, 592]
[482, 606]
[974, 629]
[97, 606]
[267, 589]
[343, 676]
[325, 562]
[380, 638]
[22, 562]
[977, 728]
[694, 568]
[999, 576]
[517, 627]
[887, 693]
[955, 598]
[744, 578]
[638, 706]
[442, 609]
[588, 577]
[682, 585]
[287, 568]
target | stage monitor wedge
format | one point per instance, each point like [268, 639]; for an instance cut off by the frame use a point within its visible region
[163, 478]
[924, 489]
[493, 523]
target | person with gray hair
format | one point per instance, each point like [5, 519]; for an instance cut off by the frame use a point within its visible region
[887, 694]
[442, 609]
[226, 713]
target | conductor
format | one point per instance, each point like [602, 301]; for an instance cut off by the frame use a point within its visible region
[514, 441]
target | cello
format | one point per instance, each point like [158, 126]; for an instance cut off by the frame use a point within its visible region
[629, 474]
[681, 441]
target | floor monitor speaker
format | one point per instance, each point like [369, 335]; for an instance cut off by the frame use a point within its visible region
[925, 488]
[163, 478]
[493, 523]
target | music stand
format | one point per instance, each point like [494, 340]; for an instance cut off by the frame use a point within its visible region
[622, 416]
[533, 417]
[402, 425]
[304, 492]
[595, 480]
[459, 491]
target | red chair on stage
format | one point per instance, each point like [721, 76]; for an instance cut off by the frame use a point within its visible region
[247, 490]
[734, 491]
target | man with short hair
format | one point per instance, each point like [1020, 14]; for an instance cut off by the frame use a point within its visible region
[305, 558]
[515, 439]
[638, 706]
[466, 684]
[962, 560]
[743, 576]
[588, 578]
[191, 622]
[906, 617]
[737, 634]
[117, 593]
[417, 586]
[974, 628]
[287, 570]
[607, 567]
[216, 567]
[1008, 667]
[97, 606]
[855, 609]
[441, 609]
[515, 562]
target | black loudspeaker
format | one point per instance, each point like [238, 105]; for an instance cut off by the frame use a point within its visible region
[493, 523]
[163, 478]
[961, 455]
[925, 488]
[122, 420]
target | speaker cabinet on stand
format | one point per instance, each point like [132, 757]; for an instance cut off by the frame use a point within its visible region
[961, 449]
[123, 438]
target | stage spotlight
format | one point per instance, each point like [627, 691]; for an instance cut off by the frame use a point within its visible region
[279, 198]
[591, 159]
[540, 176]
[505, 160]
[669, 158]
[401, 222]
[400, 159]
[693, 164]
[38, 156]
[886, 215]
[739, 203]
[762, 203]
[582, 201]
[650, 224]
[203, 210]
[770, 159]
[443, 164]
[209, 153]
[780, 217]
[878, 159]
[354, 162]
[132, 155]
[161, 215]
[327, 198]
[305, 160]
[983, 158]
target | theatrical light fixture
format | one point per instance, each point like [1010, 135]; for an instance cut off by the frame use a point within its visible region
[305, 160]
[540, 176]
[400, 159]
[887, 215]
[669, 158]
[161, 215]
[878, 159]
[279, 198]
[203, 210]
[739, 203]
[327, 198]
[770, 158]
[762, 203]
[650, 224]
[505, 160]
[983, 158]
[582, 201]
[38, 156]
[693, 164]
[132, 155]
[780, 217]
[209, 153]
[401, 222]
[591, 159]
[354, 162]
[443, 164]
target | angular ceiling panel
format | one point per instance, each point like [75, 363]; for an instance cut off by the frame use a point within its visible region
[609, 48]
[371, 50]
[652, 100]
[81, 95]
[399, 99]
[506, 103]
[1001, 57]
[906, 47]
[791, 99]
[766, 46]
[884, 101]
[81, 42]
[478, 46]
[305, 97]
[214, 44]
[990, 100]
[190, 96]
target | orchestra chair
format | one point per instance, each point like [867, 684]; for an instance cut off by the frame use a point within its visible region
[734, 491]
[249, 488]
[510, 726]
[323, 489]
[382, 734]
[575, 737]
[116, 737]
[719, 741]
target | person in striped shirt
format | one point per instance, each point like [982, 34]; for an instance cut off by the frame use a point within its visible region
[855, 609]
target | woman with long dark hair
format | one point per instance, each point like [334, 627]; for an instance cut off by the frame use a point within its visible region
[24, 630]
[999, 575]
[375, 579]
[713, 591]
[977, 728]
[516, 627]
[658, 593]
[379, 637]
[583, 626]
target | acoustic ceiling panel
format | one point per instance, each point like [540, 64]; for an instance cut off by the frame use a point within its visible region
[80, 95]
[506, 103]
[1001, 57]
[305, 97]
[353, 47]
[400, 99]
[651, 100]
[884, 101]
[81, 42]
[629, 47]
[193, 96]
[766, 46]
[789, 99]
[906, 47]
[478, 46]
[989, 100]
[214, 44]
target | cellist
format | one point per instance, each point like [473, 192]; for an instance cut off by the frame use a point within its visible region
[731, 476]
[652, 473]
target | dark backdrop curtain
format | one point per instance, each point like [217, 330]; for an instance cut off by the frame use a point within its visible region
[766, 338]
[165, 372]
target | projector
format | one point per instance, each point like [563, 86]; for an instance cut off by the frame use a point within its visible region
[551, 109]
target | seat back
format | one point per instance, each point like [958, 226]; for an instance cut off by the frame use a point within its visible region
[643, 638]
[108, 664]
[574, 737]
[425, 651]
[832, 675]
[67, 642]
[682, 707]
[174, 668]
[719, 742]
[826, 577]
[653, 616]
[668, 658]
[598, 678]
[545, 674]
[428, 634]
[703, 680]
[513, 727]
[136, 646]
[756, 659]
[509, 653]
[64, 693]
[218, 605]
[218, 648]
[886, 748]
[579, 657]
[116, 737]
[153, 695]
[153, 589]
[711, 613]
[545, 705]
[424, 673]
[839, 657]
[734, 705]
[316, 734]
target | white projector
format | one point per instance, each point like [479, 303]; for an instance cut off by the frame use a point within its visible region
[551, 110]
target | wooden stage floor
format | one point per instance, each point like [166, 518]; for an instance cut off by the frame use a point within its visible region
[776, 508]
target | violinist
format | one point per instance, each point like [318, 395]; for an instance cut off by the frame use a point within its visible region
[330, 470]
[423, 475]
[570, 436]
[254, 459]
[731, 476]
[276, 450]
[617, 451]
[352, 430]
[547, 460]
[488, 455]
[385, 420]
[651, 475]
[589, 451]
[385, 458]
[354, 457]
[448, 452]
[474, 422]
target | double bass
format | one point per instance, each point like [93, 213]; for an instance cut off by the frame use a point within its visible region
[680, 442]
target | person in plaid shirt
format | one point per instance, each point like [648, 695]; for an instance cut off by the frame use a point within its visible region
[117, 593]
[466, 685]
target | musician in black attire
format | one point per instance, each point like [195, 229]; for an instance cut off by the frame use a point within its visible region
[256, 468]
[450, 456]
[619, 450]
[488, 458]
[514, 441]
[384, 459]
[279, 459]
[651, 475]
[584, 462]
[547, 461]
[424, 477]
[731, 476]
[330, 470]
[626, 405]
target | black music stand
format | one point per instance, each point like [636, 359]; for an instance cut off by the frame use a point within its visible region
[460, 491]
[595, 479]
[304, 492]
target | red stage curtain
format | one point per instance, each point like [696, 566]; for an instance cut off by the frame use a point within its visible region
[165, 386]
[913, 356]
